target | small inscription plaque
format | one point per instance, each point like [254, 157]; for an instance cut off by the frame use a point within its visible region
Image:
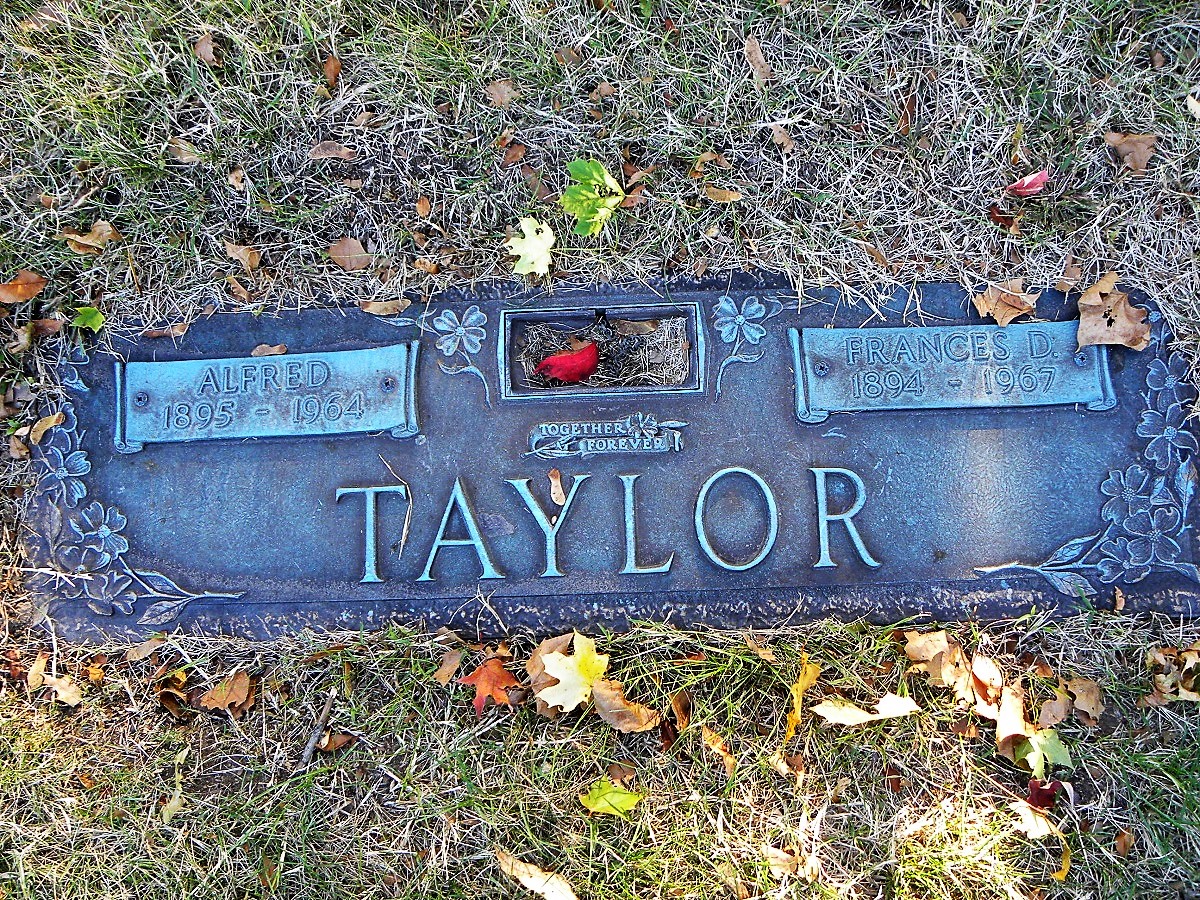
[736, 458]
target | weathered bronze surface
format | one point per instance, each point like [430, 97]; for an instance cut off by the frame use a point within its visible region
[799, 461]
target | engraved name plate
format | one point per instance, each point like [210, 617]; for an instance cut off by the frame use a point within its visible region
[984, 472]
[948, 367]
[346, 392]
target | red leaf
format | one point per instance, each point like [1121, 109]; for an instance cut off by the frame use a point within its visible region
[490, 680]
[571, 366]
[1041, 796]
[1029, 185]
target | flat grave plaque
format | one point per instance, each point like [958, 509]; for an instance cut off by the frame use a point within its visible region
[737, 459]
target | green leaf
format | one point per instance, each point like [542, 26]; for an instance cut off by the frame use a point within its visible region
[533, 249]
[594, 198]
[1040, 748]
[88, 317]
[604, 797]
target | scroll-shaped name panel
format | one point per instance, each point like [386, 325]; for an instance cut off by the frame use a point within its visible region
[340, 392]
[949, 367]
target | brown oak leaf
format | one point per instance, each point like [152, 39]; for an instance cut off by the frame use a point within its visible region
[1005, 301]
[490, 680]
[1107, 317]
[502, 92]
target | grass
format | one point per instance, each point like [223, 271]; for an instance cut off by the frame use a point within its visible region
[416, 806]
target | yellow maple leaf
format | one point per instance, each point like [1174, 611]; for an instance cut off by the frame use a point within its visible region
[575, 673]
[533, 249]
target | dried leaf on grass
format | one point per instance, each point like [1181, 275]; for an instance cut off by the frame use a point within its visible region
[145, 648]
[809, 673]
[502, 92]
[545, 884]
[1134, 150]
[1107, 317]
[183, 151]
[233, 694]
[44, 424]
[93, 241]
[206, 51]
[24, 286]
[758, 62]
[1089, 702]
[606, 798]
[1029, 185]
[538, 677]
[621, 713]
[247, 256]
[269, 350]
[448, 667]
[842, 712]
[532, 249]
[332, 69]
[1055, 711]
[1035, 825]
[332, 150]
[943, 660]
[333, 741]
[721, 195]
[350, 255]
[1005, 301]
[575, 674]
[491, 681]
[1176, 674]
[719, 748]
[780, 136]
[66, 691]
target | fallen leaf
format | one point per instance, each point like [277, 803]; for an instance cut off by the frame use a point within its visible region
[987, 681]
[1029, 185]
[538, 678]
[332, 69]
[780, 863]
[1055, 711]
[1134, 150]
[350, 255]
[568, 57]
[717, 745]
[428, 266]
[1041, 795]
[766, 654]
[36, 676]
[332, 741]
[1042, 749]
[229, 694]
[781, 137]
[1005, 301]
[179, 329]
[532, 250]
[1089, 703]
[206, 50]
[575, 674]
[269, 350]
[1072, 272]
[184, 152]
[908, 112]
[842, 712]
[533, 178]
[513, 154]
[1175, 672]
[941, 658]
[332, 150]
[66, 691]
[1010, 223]
[606, 798]
[247, 256]
[758, 62]
[384, 307]
[545, 884]
[502, 92]
[24, 286]
[1193, 106]
[238, 289]
[1123, 842]
[720, 195]
[571, 366]
[44, 424]
[1031, 822]
[681, 708]
[1011, 724]
[424, 207]
[622, 714]
[732, 879]
[145, 648]
[1107, 317]
[621, 775]
[88, 317]
[448, 667]
[557, 494]
[490, 680]
[809, 673]
[1118, 599]
[17, 448]
[94, 241]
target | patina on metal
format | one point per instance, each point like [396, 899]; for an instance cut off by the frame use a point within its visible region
[343, 392]
[951, 367]
[799, 465]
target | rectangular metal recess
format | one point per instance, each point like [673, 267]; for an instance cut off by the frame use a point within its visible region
[511, 375]
[290, 395]
[945, 367]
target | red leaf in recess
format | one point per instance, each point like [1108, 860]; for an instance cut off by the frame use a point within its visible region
[571, 366]
[1041, 795]
[1029, 185]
